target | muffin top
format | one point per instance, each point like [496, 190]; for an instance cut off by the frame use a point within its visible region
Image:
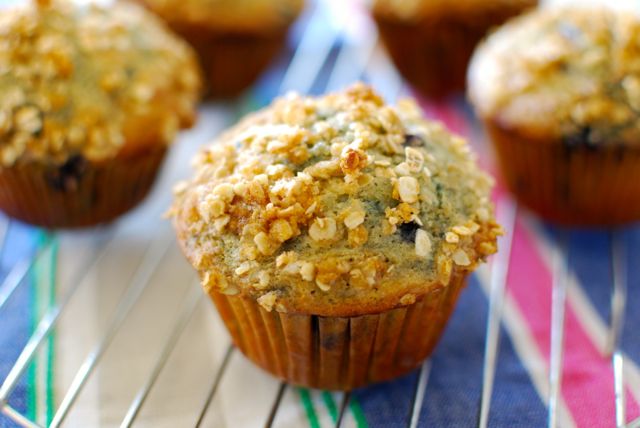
[560, 74]
[90, 81]
[338, 205]
[413, 10]
[229, 15]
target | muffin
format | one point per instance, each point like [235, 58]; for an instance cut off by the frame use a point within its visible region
[334, 234]
[431, 41]
[90, 98]
[559, 93]
[235, 39]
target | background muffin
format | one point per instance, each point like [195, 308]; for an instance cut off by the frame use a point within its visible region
[235, 39]
[89, 100]
[559, 92]
[431, 41]
[334, 234]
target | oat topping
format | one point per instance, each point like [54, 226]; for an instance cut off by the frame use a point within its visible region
[423, 244]
[323, 229]
[408, 189]
[90, 80]
[354, 218]
[568, 73]
[314, 208]
[268, 300]
[408, 299]
[461, 258]
[451, 238]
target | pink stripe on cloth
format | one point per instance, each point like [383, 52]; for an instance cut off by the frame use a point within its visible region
[587, 382]
[446, 113]
[458, 123]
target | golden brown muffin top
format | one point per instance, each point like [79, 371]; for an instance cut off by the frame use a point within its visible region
[563, 73]
[412, 10]
[90, 80]
[229, 15]
[334, 205]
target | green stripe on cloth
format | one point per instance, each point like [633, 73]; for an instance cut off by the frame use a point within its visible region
[331, 405]
[354, 406]
[31, 370]
[312, 417]
[41, 400]
[358, 414]
[53, 281]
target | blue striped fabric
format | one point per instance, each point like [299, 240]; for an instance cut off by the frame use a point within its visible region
[455, 382]
[630, 336]
[590, 260]
[16, 316]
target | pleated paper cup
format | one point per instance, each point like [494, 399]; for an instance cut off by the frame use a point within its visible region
[433, 51]
[573, 184]
[433, 58]
[339, 353]
[79, 193]
[231, 60]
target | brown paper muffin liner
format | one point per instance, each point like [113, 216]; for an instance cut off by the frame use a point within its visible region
[78, 193]
[573, 184]
[232, 61]
[433, 53]
[339, 353]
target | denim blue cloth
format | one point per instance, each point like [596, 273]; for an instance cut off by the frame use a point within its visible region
[16, 316]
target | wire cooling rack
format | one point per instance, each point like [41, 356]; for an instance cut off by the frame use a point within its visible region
[333, 48]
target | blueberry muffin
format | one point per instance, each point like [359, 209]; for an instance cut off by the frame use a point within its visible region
[559, 93]
[431, 41]
[90, 98]
[236, 39]
[334, 235]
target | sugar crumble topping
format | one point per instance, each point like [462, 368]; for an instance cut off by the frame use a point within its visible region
[89, 79]
[569, 72]
[333, 195]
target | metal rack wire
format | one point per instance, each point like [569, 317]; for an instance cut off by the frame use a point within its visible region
[354, 60]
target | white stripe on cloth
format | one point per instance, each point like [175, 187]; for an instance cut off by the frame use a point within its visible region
[525, 346]
[43, 289]
[594, 326]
